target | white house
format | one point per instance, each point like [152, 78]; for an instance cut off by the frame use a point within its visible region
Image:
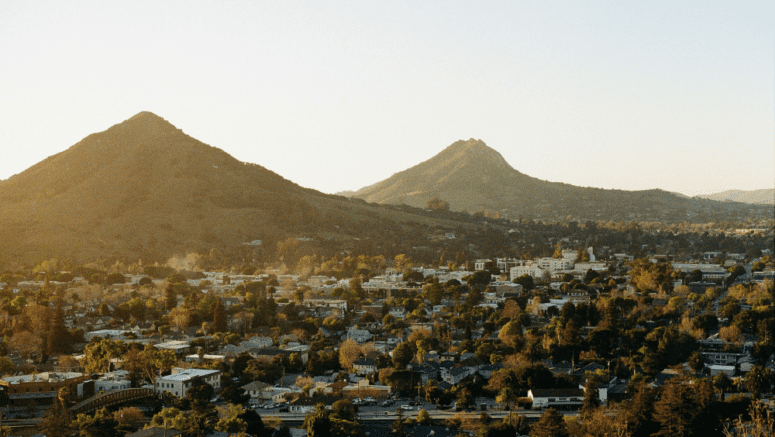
[359, 335]
[567, 398]
[113, 381]
[365, 366]
[255, 390]
[178, 383]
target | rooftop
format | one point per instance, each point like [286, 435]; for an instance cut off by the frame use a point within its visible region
[188, 374]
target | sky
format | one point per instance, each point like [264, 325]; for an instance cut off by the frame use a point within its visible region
[338, 95]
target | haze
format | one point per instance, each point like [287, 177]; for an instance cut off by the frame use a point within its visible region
[339, 95]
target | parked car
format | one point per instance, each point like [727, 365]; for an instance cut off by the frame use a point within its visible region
[407, 407]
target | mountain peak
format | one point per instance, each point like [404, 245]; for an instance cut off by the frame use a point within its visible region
[474, 150]
[147, 123]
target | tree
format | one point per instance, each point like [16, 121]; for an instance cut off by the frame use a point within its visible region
[761, 423]
[722, 382]
[551, 424]
[696, 362]
[231, 421]
[115, 278]
[591, 398]
[100, 424]
[349, 351]
[199, 394]
[398, 424]
[681, 408]
[129, 417]
[57, 423]
[234, 394]
[402, 355]
[58, 339]
[219, 318]
[480, 278]
[6, 366]
[511, 334]
[25, 343]
[506, 396]
[345, 410]
[180, 317]
[97, 356]
[423, 417]
[757, 380]
[318, 424]
[170, 297]
[526, 281]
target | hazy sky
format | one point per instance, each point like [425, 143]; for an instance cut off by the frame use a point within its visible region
[340, 95]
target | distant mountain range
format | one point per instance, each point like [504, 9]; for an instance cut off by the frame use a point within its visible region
[761, 197]
[471, 176]
[145, 190]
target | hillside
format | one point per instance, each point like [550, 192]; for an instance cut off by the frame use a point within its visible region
[471, 176]
[763, 197]
[143, 189]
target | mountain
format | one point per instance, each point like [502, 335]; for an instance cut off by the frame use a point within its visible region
[764, 196]
[471, 176]
[143, 189]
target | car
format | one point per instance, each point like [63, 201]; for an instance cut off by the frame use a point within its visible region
[407, 407]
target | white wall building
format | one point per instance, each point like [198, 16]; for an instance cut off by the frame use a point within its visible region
[178, 383]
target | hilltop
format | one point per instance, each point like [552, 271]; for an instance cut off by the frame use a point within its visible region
[143, 189]
[764, 196]
[471, 176]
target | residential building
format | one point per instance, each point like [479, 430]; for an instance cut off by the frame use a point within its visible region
[42, 387]
[178, 383]
[562, 399]
[365, 366]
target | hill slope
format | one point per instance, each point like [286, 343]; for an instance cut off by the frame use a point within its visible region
[764, 196]
[472, 176]
[143, 189]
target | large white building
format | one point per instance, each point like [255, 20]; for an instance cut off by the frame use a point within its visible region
[709, 271]
[529, 268]
[178, 383]
[555, 264]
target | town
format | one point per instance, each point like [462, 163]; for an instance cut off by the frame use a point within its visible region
[363, 345]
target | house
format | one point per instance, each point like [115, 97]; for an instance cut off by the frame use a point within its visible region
[194, 358]
[716, 369]
[179, 382]
[561, 399]
[359, 335]
[365, 366]
[41, 387]
[483, 264]
[456, 374]
[180, 347]
[254, 390]
[113, 381]
[275, 394]
[107, 334]
[364, 389]
[488, 369]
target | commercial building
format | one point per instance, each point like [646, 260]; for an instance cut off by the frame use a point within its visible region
[179, 382]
